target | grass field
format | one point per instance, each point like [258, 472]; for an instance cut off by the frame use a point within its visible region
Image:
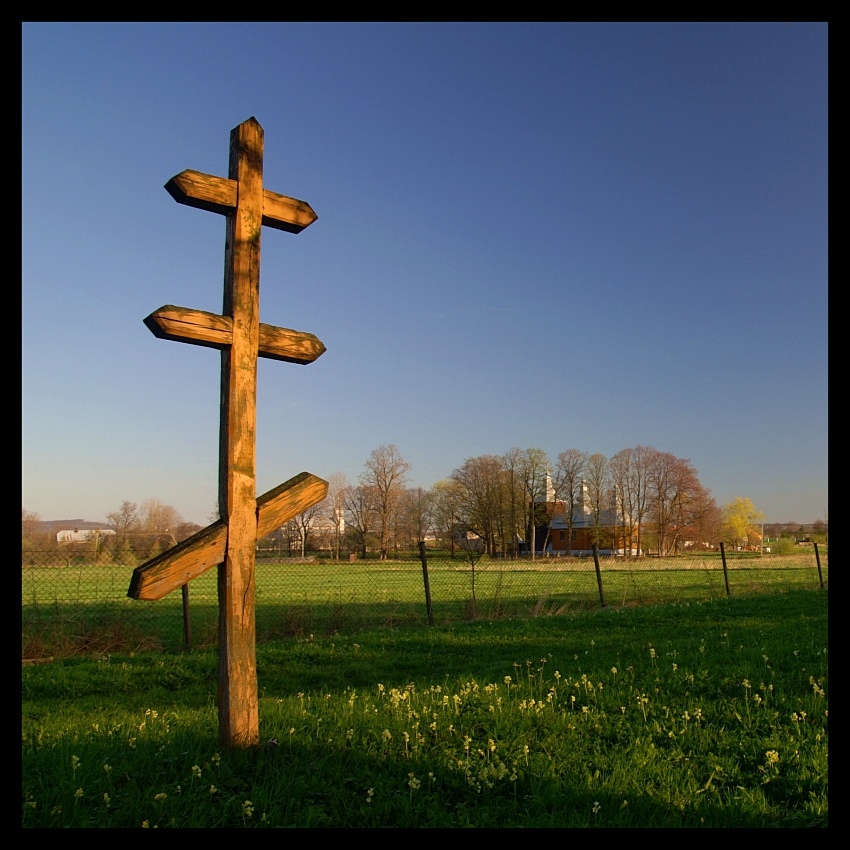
[687, 714]
[82, 607]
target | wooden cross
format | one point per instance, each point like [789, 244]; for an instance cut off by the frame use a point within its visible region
[230, 543]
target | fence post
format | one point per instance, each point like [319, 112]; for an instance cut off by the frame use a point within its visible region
[817, 559]
[187, 621]
[598, 574]
[424, 560]
[725, 573]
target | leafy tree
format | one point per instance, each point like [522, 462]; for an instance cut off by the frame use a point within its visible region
[739, 517]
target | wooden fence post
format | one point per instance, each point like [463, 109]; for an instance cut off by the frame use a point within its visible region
[598, 574]
[817, 560]
[725, 571]
[423, 557]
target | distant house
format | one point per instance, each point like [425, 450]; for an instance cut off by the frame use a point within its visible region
[81, 531]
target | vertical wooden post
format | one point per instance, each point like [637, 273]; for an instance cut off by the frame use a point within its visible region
[237, 668]
[424, 558]
[725, 571]
[817, 561]
[598, 574]
[187, 619]
[230, 542]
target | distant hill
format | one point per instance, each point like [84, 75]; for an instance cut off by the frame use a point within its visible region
[51, 526]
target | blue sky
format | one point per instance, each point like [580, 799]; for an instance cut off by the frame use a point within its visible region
[590, 236]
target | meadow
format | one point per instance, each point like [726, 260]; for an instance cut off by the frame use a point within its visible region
[83, 607]
[691, 713]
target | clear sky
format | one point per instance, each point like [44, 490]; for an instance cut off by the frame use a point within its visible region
[590, 236]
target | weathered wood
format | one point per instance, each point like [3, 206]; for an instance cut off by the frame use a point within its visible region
[288, 500]
[198, 327]
[194, 326]
[237, 669]
[203, 191]
[218, 195]
[241, 338]
[284, 213]
[288, 345]
[177, 566]
[206, 548]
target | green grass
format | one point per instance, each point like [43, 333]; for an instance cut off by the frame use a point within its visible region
[696, 714]
[83, 607]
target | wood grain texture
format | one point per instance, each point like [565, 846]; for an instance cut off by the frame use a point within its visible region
[241, 338]
[237, 673]
[197, 327]
[179, 565]
[288, 500]
[192, 557]
[218, 195]
[203, 191]
[285, 213]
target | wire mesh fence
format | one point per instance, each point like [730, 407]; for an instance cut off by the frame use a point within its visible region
[71, 605]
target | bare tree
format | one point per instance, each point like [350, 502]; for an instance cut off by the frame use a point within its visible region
[598, 493]
[159, 526]
[415, 515]
[567, 483]
[514, 513]
[704, 526]
[473, 551]
[629, 471]
[124, 521]
[304, 524]
[30, 529]
[159, 518]
[360, 508]
[676, 500]
[533, 467]
[386, 472]
[481, 502]
[446, 498]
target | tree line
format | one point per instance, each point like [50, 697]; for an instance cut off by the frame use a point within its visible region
[140, 531]
[639, 500]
